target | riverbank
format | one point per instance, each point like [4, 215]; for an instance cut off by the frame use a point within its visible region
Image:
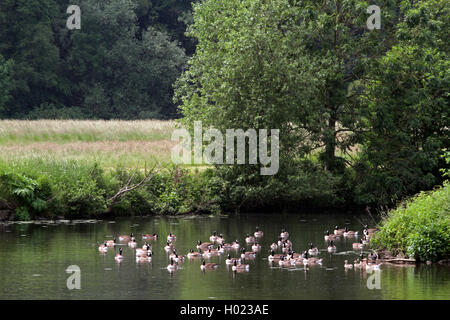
[419, 228]
[85, 169]
[74, 169]
[36, 188]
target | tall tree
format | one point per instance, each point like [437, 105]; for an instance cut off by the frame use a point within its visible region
[294, 65]
[6, 82]
[26, 36]
[122, 76]
[407, 98]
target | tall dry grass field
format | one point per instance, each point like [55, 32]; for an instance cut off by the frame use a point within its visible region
[110, 143]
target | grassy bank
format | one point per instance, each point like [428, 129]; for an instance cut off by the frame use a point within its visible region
[37, 188]
[420, 227]
[63, 168]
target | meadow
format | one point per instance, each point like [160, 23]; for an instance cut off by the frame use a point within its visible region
[109, 143]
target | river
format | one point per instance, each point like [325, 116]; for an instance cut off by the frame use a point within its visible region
[34, 258]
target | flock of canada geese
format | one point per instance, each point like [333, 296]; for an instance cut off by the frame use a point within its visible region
[217, 246]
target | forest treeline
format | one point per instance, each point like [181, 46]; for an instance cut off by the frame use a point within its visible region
[122, 63]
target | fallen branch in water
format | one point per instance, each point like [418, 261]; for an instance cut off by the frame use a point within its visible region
[399, 261]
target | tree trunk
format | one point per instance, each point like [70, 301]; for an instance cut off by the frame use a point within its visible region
[330, 144]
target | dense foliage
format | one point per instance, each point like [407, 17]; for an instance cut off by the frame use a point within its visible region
[369, 108]
[409, 118]
[420, 227]
[35, 188]
[120, 64]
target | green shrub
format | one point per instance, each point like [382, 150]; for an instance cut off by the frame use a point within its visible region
[28, 195]
[22, 214]
[430, 242]
[419, 227]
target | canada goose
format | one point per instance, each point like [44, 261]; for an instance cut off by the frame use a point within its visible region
[240, 267]
[358, 245]
[329, 236]
[284, 262]
[284, 234]
[290, 255]
[235, 245]
[313, 251]
[193, 254]
[178, 258]
[363, 261]
[376, 266]
[141, 252]
[144, 258]
[347, 265]
[273, 246]
[247, 255]
[215, 252]
[132, 243]
[169, 247]
[204, 246]
[357, 264]
[173, 254]
[273, 256]
[365, 240]
[286, 247]
[220, 240]
[368, 231]
[220, 250]
[297, 261]
[258, 233]
[331, 248]
[280, 242]
[249, 239]
[103, 248]
[119, 256]
[150, 236]
[207, 254]
[171, 267]
[232, 260]
[126, 238]
[146, 246]
[213, 237]
[226, 246]
[307, 260]
[338, 231]
[111, 243]
[208, 266]
[256, 247]
[349, 233]
[171, 237]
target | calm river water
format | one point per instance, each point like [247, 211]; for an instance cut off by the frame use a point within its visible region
[34, 258]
